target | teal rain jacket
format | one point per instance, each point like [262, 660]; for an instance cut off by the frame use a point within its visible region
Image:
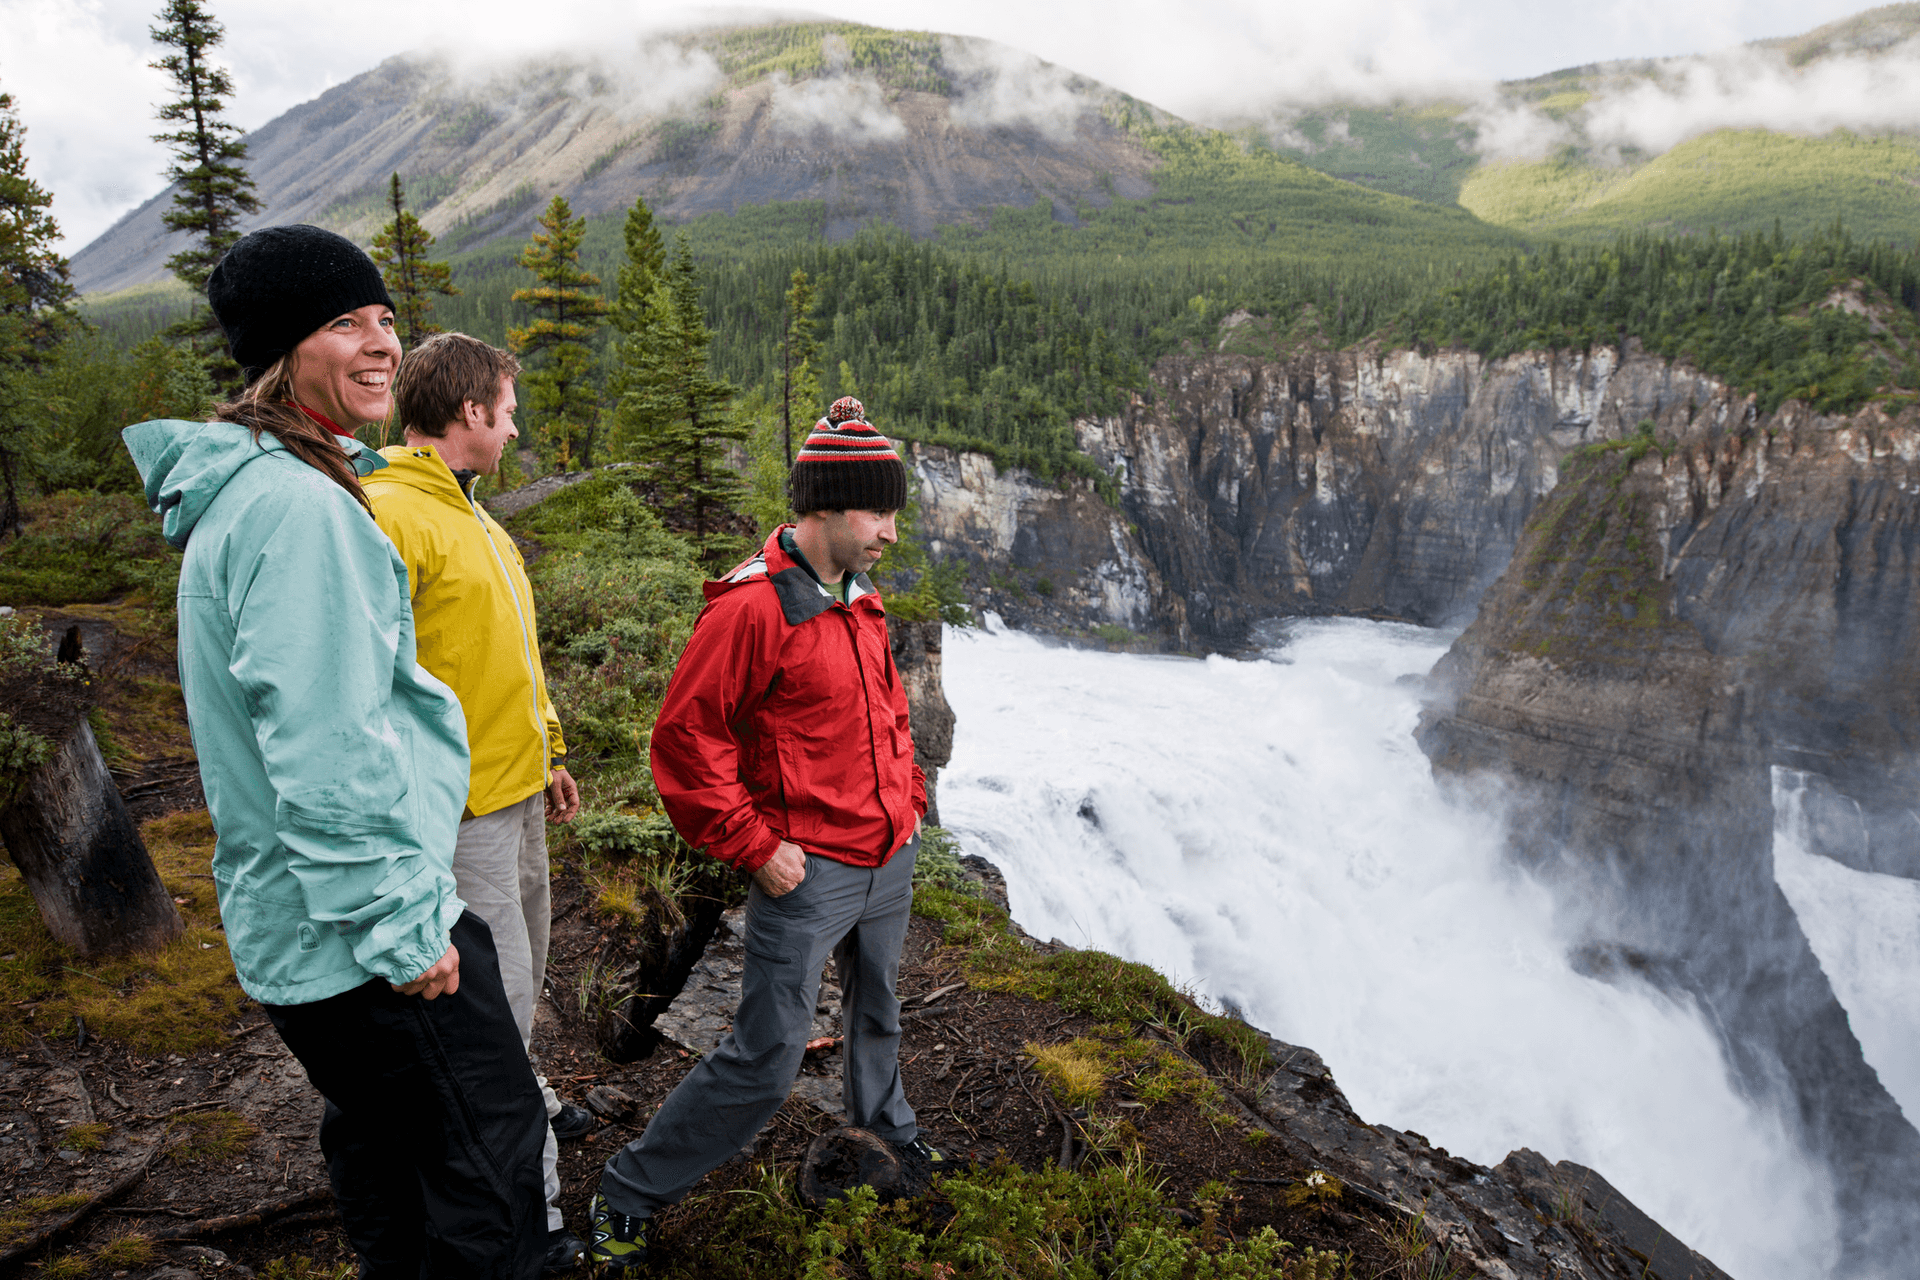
[335, 767]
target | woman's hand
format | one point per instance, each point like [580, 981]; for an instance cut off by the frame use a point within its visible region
[442, 979]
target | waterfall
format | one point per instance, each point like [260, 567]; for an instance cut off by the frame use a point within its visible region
[1266, 831]
[1864, 928]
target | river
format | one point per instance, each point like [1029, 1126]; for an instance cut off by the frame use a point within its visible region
[1265, 830]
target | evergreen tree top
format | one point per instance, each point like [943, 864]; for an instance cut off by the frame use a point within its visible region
[33, 276]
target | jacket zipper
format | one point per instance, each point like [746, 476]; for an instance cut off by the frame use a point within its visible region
[533, 679]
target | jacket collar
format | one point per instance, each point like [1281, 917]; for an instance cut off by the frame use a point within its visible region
[421, 467]
[802, 597]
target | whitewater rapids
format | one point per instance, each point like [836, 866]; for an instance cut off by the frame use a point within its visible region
[1266, 831]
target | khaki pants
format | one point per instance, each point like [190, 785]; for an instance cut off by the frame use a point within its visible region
[500, 865]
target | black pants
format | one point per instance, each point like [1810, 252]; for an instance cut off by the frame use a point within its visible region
[433, 1125]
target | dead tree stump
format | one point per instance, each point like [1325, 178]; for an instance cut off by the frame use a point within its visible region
[69, 833]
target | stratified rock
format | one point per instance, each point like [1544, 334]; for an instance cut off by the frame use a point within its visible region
[1681, 621]
[1354, 482]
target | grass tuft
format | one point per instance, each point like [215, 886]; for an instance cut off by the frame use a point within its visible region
[130, 1250]
[1075, 1071]
[85, 1137]
[211, 1135]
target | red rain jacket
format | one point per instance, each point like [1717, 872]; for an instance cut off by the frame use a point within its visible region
[786, 720]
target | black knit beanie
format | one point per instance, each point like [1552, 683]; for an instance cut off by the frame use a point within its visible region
[846, 465]
[278, 284]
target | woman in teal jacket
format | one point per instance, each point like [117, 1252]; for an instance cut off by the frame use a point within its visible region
[335, 769]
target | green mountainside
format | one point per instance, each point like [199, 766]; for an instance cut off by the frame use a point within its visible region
[1730, 180]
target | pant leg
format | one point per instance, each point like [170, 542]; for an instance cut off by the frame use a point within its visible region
[378, 1198]
[732, 1092]
[536, 893]
[500, 866]
[869, 966]
[488, 859]
[433, 1124]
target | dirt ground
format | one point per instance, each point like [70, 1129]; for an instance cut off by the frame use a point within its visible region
[213, 1157]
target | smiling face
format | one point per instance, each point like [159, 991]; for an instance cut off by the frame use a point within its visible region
[344, 369]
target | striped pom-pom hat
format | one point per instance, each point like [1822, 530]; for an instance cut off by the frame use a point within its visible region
[846, 465]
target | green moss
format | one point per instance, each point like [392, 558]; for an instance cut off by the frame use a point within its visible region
[179, 999]
[22, 1217]
[85, 1137]
[210, 1135]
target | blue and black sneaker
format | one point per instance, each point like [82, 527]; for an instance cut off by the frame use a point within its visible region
[615, 1240]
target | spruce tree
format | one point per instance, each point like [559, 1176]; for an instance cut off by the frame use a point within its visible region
[634, 315]
[214, 189]
[799, 353]
[401, 249]
[675, 413]
[35, 294]
[560, 396]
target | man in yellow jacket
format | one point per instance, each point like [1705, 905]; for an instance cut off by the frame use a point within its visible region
[474, 623]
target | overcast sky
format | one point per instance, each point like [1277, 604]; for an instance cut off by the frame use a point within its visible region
[78, 73]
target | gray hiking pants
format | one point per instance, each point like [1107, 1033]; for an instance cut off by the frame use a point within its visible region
[859, 916]
[500, 867]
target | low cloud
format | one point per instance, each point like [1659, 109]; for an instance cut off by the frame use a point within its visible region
[851, 107]
[1757, 89]
[995, 85]
[657, 76]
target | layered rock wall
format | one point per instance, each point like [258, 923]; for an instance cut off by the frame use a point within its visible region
[1354, 482]
[1682, 619]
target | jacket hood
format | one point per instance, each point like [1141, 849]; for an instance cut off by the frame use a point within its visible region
[420, 467]
[184, 465]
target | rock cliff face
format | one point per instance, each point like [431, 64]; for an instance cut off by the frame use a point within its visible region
[1354, 482]
[1681, 620]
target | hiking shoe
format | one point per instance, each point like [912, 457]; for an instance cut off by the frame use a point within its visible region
[564, 1252]
[572, 1123]
[920, 1155]
[618, 1242]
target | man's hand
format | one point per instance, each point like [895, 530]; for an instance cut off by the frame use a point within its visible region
[782, 873]
[442, 979]
[563, 796]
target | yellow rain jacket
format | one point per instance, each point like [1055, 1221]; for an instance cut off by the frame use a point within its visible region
[473, 619]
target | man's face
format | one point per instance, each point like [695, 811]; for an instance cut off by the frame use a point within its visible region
[492, 435]
[857, 539]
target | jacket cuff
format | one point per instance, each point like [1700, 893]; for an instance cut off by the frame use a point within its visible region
[759, 853]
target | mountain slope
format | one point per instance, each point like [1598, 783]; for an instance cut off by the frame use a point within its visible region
[916, 130]
[1731, 180]
[1801, 129]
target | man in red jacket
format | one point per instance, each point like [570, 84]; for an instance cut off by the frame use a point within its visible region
[783, 748]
